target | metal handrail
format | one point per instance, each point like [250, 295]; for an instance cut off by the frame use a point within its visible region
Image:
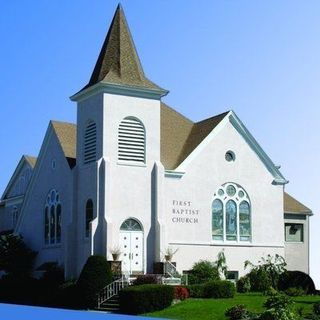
[170, 269]
[111, 290]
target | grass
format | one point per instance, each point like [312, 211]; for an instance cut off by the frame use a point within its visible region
[214, 309]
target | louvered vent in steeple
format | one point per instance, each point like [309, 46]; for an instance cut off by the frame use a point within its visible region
[90, 143]
[131, 140]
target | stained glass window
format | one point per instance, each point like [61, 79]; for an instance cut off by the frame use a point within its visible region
[217, 220]
[231, 214]
[131, 225]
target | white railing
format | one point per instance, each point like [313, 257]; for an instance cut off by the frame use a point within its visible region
[111, 290]
[170, 269]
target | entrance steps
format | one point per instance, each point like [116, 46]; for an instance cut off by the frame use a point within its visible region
[112, 305]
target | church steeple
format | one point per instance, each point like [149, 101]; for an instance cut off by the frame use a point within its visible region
[118, 62]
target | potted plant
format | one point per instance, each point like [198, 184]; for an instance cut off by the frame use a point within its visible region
[115, 252]
[169, 253]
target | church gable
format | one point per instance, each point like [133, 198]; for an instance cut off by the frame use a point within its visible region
[52, 167]
[21, 177]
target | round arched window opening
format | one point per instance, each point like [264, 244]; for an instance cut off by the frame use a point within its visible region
[131, 225]
[230, 156]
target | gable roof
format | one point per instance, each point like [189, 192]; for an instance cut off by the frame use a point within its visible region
[24, 159]
[292, 205]
[118, 62]
[67, 136]
[31, 160]
[180, 136]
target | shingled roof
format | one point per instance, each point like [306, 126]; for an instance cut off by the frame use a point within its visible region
[67, 136]
[118, 62]
[31, 160]
[292, 205]
[180, 136]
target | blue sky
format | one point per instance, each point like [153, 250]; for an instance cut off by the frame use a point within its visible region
[258, 58]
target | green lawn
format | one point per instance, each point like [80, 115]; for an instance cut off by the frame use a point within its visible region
[213, 309]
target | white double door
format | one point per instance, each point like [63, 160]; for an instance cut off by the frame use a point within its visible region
[131, 243]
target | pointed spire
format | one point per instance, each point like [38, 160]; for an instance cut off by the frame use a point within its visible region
[118, 62]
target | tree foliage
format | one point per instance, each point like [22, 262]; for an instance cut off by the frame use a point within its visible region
[16, 257]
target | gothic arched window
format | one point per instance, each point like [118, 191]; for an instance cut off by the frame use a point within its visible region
[89, 216]
[131, 140]
[231, 214]
[52, 218]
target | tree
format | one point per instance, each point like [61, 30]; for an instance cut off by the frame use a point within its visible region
[16, 258]
[272, 266]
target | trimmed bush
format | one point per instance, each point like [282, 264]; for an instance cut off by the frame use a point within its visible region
[145, 298]
[196, 290]
[296, 279]
[181, 293]
[243, 284]
[95, 275]
[219, 289]
[202, 272]
[295, 292]
[147, 279]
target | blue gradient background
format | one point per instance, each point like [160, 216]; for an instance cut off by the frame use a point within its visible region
[259, 58]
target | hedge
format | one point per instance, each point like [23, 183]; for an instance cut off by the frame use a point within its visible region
[219, 289]
[196, 290]
[145, 298]
[296, 279]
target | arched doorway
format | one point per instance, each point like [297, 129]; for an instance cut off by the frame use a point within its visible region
[131, 243]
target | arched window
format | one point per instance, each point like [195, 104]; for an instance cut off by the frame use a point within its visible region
[131, 225]
[90, 143]
[52, 218]
[131, 140]
[15, 216]
[89, 216]
[217, 220]
[231, 214]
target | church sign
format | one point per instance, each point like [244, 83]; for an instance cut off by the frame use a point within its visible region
[184, 212]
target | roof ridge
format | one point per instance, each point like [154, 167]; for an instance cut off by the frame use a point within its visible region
[213, 117]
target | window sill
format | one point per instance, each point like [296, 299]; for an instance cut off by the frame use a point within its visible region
[51, 246]
[131, 164]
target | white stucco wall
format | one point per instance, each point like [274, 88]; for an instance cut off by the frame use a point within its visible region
[203, 175]
[297, 253]
[45, 179]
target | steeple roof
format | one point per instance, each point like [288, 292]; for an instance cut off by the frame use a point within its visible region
[118, 62]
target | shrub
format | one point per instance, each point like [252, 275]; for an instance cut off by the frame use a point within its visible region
[243, 284]
[202, 272]
[219, 289]
[181, 293]
[237, 312]
[270, 292]
[19, 289]
[259, 280]
[297, 279]
[295, 292]
[15, 256]
[278, 301]
[316, 308]
[145, 298]
[147, 279]
[196, 290]
[95, 275]
[279, 314]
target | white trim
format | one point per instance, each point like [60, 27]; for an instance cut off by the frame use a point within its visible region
[12, 201]
[102, 87]
[15, 175]
[211, 244]
[232, 118]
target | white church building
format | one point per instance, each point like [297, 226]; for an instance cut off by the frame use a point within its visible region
[134, 173]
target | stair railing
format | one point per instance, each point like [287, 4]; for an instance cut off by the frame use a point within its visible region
[111, 290]
[170, 269]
